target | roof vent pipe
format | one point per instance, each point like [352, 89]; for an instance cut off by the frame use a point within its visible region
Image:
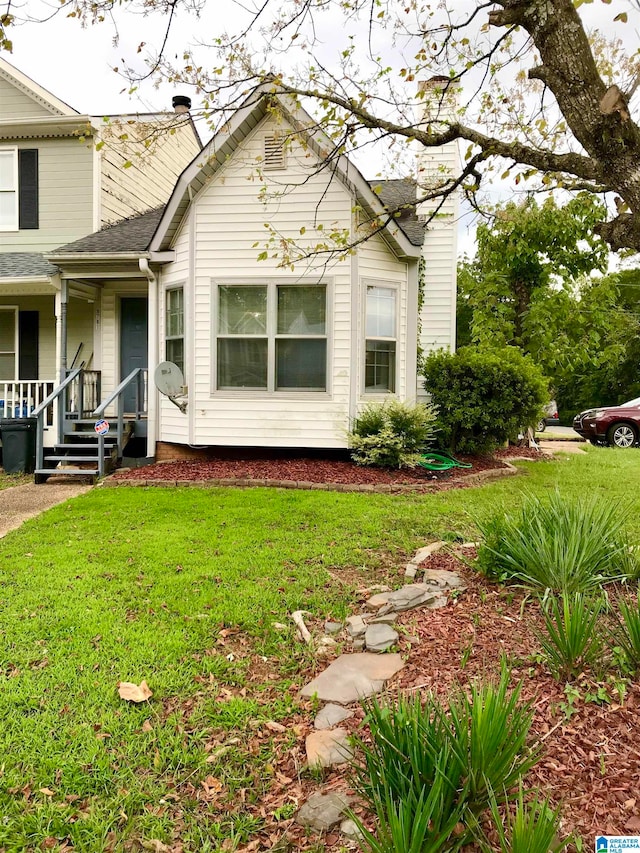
[181, 103]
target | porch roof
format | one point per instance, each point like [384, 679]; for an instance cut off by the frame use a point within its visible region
[400, 194]
[26, 265]
[129, 236]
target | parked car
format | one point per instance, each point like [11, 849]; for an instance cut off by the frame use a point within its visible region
[618, 426]
[550, 417]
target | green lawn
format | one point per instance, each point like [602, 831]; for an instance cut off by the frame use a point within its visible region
[133, 583]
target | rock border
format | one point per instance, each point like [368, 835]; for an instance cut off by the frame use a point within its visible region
[377, 488]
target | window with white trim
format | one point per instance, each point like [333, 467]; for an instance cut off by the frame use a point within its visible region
[271, 337]
[8, 344]
[174, 327]
[8, 189]
[381, 339]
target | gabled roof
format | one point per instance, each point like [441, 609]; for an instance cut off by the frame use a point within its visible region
[400, 194]
[225, 142]
[39, 94]
[129, 236]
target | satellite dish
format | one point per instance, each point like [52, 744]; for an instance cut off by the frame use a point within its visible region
[170, 382]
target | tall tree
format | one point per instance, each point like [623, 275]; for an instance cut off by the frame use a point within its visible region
[540, 99]
[524, 257]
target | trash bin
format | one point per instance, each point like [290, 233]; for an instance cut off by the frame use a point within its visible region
[18, 445]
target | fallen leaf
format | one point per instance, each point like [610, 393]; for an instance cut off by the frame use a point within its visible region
[156, 846]
[47, 791]
[633, 824]
[275, 727]
[134, 692]
[146, 726]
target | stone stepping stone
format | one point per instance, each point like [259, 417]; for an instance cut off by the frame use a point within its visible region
[328, 748]
[330, 716]
[380, 637]
[322, 811]
[444, 579]
[356, 626]
[350, 678]
[409, 596]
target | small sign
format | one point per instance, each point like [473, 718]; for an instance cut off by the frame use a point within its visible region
[617, 843]
[102, 427]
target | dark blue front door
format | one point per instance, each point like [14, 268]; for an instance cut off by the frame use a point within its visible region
[133, 342]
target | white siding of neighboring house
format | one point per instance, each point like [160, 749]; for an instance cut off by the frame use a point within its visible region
[17, 104]
[149, 180]
[225, 222]
[65, 168]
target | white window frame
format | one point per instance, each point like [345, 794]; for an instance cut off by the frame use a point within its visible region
[272, 336]
[15, 351]
[395, 287]
[15, 226]
[167, 336]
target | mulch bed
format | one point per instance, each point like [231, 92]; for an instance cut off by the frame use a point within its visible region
[590, 762]
[303, 470]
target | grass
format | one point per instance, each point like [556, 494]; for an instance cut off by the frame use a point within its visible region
[133, 583]
[8, 480]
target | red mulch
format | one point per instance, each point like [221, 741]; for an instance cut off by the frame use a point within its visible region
[302, 469]
[590, 762]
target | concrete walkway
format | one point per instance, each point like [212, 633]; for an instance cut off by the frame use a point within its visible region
[562, 446]
[19, 503]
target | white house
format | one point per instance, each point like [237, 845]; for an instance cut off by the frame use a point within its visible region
[242, 280]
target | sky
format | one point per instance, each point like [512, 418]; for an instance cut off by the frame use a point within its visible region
[76, 63]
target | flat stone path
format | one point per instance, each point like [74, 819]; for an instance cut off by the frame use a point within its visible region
[353, 677]
[19, 503]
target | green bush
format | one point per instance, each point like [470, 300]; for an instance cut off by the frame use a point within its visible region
[392, 434]
[559, 544]
[428, 768]
[531, 827]
[627, 634]
[571, 640]
[484, 396]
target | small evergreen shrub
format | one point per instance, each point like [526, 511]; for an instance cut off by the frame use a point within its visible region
[392, 434]
[483, 396]
[571, 640]
[532, 826]
[562, 544]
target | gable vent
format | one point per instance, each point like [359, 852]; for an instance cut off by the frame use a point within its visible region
[274, 152]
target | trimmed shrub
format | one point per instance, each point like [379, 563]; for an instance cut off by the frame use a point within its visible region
[559, 544]
[392, 434]
[484, 396]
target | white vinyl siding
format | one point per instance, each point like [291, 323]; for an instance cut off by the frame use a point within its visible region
[65, 177]
[18, 104]
[149, 180]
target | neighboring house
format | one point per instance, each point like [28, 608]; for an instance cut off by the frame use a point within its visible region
[62, 176]
[236, 280]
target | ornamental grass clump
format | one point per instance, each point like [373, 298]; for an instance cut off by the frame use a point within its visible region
[429, 769]
[626, 634]
[562, 544]
[531, 826]
[392, 434]
[571, 641]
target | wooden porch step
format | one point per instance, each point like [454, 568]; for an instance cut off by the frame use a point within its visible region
[43, 474]
[69, 458]
[72, 445]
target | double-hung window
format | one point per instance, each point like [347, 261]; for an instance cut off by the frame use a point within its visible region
[174, 327]
[271, 337]
[8, 189]
[381, 338]
[8, 344]
[18, 189]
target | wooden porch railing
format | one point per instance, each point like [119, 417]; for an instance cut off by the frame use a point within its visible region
[19, 399]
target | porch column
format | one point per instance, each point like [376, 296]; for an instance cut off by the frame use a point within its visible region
[152, 393]
[64, 302]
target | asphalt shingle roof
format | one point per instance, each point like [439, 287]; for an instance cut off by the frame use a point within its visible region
[134, 234]
[400, 194]
[128, 235]
[25, 265]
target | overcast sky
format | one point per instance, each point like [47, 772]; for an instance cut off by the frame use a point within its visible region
[76, 64]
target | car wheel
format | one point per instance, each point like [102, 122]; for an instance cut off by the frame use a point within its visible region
[622, 435]
[541, 426]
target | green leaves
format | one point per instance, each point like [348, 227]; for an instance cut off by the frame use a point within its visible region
[571, 640]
